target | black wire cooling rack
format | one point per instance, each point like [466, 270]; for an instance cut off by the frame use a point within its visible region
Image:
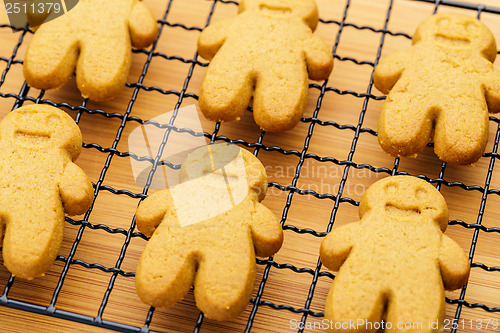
[257, 302]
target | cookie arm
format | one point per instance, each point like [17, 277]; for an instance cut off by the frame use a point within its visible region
[337, 245]
[389, 70]
[453, 263]
[212, 38]
[319, 58]
[76, 190]
[492, 91]
[151, 211]
[142, 26]
[267, 233]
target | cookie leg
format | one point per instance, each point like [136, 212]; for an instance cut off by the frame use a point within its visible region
[166, 268]
[103, 66]
[32, 238]
[226, 89]
[226, 274]
[51, 58]
[2, 230]
[419, 308]
[354, 305]
[462, 131]
[405, 124]
[280, 97]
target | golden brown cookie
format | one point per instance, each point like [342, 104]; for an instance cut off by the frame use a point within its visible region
[267, 51]
[395, 262]
[441, 88]
[95, 37]
[206, 232]
[38, 182]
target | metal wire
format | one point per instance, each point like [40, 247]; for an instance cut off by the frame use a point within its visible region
[291, 190]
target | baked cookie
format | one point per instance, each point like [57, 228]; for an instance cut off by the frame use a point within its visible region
[441, 88]
[395, 261]
[267, 52]
[38, 183]
[206, 232]
[95, 36]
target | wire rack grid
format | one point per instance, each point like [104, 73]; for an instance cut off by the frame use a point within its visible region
[279, 303]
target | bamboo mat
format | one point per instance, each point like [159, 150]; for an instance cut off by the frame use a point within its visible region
[92, 281]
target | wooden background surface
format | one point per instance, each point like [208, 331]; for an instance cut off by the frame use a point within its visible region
[284, 297]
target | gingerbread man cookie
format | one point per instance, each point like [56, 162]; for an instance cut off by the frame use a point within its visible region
[95, 37]
[395, 261]
[206, 232]
[441, 88]
[267, 51]
[39, 182]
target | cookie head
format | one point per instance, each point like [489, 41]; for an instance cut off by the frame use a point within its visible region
[457, 32]
[38, 127]
[406, 196]
[305, 9]
[236, 167]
